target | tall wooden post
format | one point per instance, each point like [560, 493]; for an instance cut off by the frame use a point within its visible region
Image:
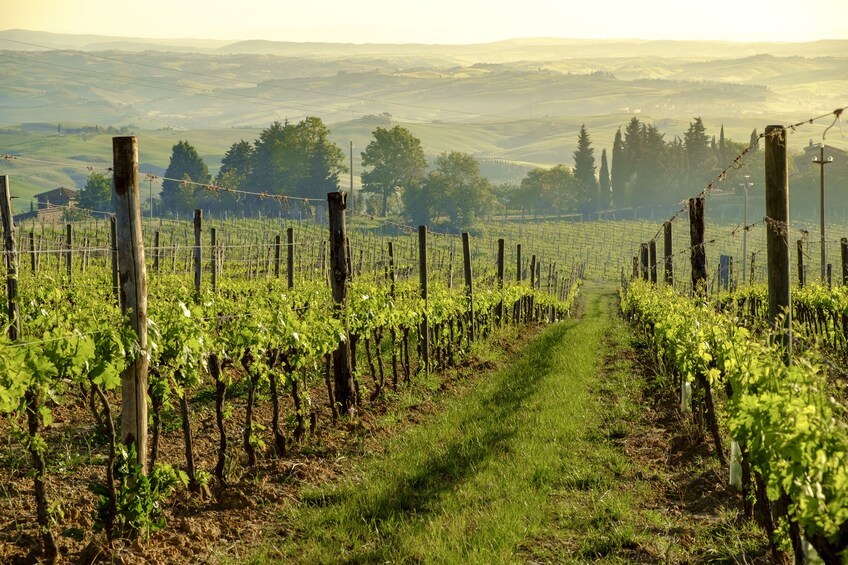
[469, 288]
[777, 229]
[198, 250]
[213, 248]
[11, 258]
[518, 263]
[801, 277]
[290, 256]
[69, 242]
[667, 253]
[33, 258]
[533, 271]
[156, 252]
[652, 252]
[499, 312]
[644, 260]
[696, 241]
[843, 247]
[133, 276]
[423, 280]
[277, 255]
[339, 276]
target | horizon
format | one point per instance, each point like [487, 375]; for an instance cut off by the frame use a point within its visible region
[440, 22]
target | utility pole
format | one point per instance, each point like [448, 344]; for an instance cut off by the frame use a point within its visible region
[821, 162]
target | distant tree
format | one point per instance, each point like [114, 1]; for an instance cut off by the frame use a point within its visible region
[548, 191]
[618, 178]
[650, 180]
[296, 160]
[586, 185]
[722, 147]
[603, 183]
[397, 161]
[755, 140]
[235, 168]
[701, 158]
[457, 189]
[178, 196]
[97, 193]
[632, 153]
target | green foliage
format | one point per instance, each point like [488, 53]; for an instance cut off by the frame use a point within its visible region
[456, 189]
[585, 183]
[185, 168]
[397, 162]
[140, 497]
[97, 193]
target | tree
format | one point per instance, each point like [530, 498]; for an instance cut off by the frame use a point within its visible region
[701, 158]
[97, 193]
[178, 196]
[603, 183]
[548, 190]
[457, 189]
[618, 178]
[586, 184]
[397, 161]
[296, 160]
[235, 168]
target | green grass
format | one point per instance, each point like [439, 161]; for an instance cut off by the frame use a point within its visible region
[471, 484]
[528, 464]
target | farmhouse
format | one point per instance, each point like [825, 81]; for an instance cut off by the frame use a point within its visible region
[51, 205]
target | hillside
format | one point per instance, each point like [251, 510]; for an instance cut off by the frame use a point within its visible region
[521, 101]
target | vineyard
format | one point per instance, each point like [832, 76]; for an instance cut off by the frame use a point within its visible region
[247, 348]
[149, 360]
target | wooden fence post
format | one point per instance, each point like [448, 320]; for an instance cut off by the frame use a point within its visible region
[198, 250]
[156, 252]
[652, 253]
[644, 261]
[133, 292]
[696, 240]
[469, 288]
[213, 248]
[499, 312]
[277, 255]
[69, 242]
[667, 253]
[777, 228]
[11, 258]
[290, 256]
[801, 277]
[843, 246]
[423, 281]
[340, 273]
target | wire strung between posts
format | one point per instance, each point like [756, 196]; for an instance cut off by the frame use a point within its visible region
[737, 163]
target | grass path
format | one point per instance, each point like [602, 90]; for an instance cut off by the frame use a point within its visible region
[529, 465]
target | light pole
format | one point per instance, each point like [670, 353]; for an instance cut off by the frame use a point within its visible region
[746, 184]
[821, 162]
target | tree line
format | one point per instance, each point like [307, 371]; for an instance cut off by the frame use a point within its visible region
[299, 160]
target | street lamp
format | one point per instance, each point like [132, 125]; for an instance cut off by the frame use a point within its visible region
[821, 162]
[746, 184]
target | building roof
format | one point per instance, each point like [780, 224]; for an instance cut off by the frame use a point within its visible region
[68, 193]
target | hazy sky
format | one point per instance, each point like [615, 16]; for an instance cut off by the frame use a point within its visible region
[436, 21]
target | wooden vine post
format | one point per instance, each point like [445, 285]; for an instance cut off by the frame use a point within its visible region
[339, 276]
[644, 262]
[469, 288]
[290, 256]
[652, 252]
[423, 281]
[667, 253]
[843, 247]
[499, 312]
[133, 292]
[198, 250]
[11, 258]
[69, 242]
[113, 234]
[213, 248]
[777, 232]
[696, 241]
[801, 277]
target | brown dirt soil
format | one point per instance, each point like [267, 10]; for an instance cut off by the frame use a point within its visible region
[230, 520]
